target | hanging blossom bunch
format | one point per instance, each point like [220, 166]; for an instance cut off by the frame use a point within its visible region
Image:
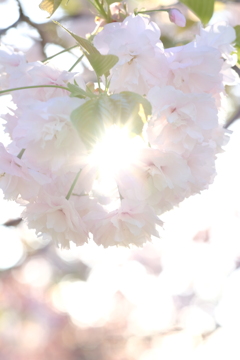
[106, 161]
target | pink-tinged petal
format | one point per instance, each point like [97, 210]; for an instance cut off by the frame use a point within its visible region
[177, 17]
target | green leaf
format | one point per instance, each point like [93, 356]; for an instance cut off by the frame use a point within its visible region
[237, 30]
[96, 115]
[238, 55]
[237, 41]
[50, 6]
[100, 63]
[132, 110]
[76, 91]
[84, 43]
[92, 118]
[202, 8]
[112, 1]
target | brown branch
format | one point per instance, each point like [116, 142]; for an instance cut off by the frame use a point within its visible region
[13, 222]
[26, 19]
[23, 18]
[44, 30]
[235, 116]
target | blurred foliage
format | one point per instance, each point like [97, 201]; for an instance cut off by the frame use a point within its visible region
[202, 8]
[50, 5]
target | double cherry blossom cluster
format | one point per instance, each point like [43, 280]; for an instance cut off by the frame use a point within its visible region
[71, 193]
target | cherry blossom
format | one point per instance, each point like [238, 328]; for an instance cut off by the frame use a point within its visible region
[72, 191]
[131, 223]
[17, 179]
[53, 139]
[142, 63]
[58, 218]
[180, 120]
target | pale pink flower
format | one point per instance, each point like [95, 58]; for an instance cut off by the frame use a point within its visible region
[204, 65]
[176, 158]
[57, 217]
[186, 124]
[201, 162]
[131, 223]
[16, 179]
[159, 178]
[221, 36]
[52, 142]
[177, 17]
[9, 60]
[35, 73]
[180, 120]
[10, 121]
[195, 69]
[142, 62]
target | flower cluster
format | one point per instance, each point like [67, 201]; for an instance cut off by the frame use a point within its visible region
[70, 191]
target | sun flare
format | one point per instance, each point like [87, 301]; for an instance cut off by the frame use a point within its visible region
[116, 150]
[114, 153]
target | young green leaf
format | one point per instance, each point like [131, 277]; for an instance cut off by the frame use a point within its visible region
[237, 30]
[50, 6]
[100, 63]
[112, 1]
[202, 8]
[92, 118]
[84, 43]
[132, 110]
[76, 91]
[237, 41]
[125, 109]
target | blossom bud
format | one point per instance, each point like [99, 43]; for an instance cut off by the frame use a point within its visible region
[100, 22]
[177, 17]
[118, 11]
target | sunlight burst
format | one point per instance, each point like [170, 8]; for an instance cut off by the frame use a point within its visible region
[115, 151]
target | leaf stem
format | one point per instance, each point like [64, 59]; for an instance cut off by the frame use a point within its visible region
[99, 85]
[59, 53]
[76, 62]
[33, 87]
[73, 185]
[106, 83]
[150, 11]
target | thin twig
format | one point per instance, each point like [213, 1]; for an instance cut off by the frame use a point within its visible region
[33, 87]
[76, 62]
[59, 53]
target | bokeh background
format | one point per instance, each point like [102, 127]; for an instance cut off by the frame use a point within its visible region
[178, 297]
